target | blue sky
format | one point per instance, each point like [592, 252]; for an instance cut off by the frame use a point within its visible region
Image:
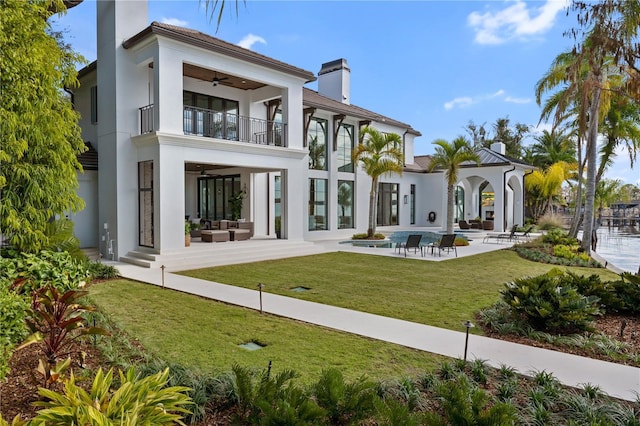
[433, 64]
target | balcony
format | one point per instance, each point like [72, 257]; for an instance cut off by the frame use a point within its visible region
[221, 125]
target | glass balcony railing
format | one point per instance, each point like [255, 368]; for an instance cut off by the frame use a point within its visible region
[221, 125]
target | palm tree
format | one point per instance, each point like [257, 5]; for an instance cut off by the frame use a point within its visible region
[379, 153]
[543, 186]
[449, 156]
[552, 147]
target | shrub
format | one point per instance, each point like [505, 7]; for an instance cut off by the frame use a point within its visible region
[56, 320]
[33, 271]
[559, 236]
[377, 236]
[550, 222]
[345, 403]
[550, 302]
[101, 271]
[138, 401]
[627, 291]
[12, 326]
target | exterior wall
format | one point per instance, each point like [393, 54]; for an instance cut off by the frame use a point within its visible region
[118, 75]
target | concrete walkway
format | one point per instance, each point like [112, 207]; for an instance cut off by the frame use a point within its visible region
[615, 379]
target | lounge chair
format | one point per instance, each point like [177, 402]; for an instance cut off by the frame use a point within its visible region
[463, 224]
[526, 234]
[511, 236]
[413, 242]
[447, 242]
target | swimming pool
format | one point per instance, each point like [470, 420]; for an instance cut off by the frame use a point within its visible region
[620, 246]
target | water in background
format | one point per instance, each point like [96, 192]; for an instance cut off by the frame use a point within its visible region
[620, 246]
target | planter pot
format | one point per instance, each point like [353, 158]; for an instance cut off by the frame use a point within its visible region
[187, 240]
[278, 234]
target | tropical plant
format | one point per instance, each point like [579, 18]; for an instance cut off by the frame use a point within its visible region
[553, 147]
[12, 326]
[465, 404]
[56, 320]
[28, 272]
[551, 302]
[379, 153]
[607, 192]
[345, 197]
[137, 401]
[236, 204]
[317, 154]
[344, 403]
[262, 399]
[41, 136]
[449, 156]
[543, 186]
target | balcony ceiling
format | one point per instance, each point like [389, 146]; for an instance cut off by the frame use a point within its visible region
[226, 79]
[207, 168]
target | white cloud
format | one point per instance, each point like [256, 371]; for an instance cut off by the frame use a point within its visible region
[467, 101]
[517, 21]
[249, 40]
[459, 103]
[174, 21]
[513, 100]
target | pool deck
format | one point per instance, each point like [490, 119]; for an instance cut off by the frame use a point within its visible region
[615, 379]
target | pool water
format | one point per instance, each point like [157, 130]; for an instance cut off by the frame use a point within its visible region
[620, 246]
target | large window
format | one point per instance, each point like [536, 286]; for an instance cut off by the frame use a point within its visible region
[345, 145]
[317, 204]
[215, 195]
[387, 204]
[210, 116]
[317, 140]
[345, 204]
[145, 203]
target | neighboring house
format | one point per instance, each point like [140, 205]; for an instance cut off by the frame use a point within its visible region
[180, 122]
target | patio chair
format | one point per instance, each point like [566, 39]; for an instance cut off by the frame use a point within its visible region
[526, 234]
[413, 242]
[447, 242]
[463, 224]
[511, 236]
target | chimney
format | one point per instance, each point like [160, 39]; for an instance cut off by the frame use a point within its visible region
[334, 81]
[499, 147]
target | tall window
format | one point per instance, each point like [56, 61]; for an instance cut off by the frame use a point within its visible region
[210, 116]
[345, 204]
[317, 204]
[145, 203]
[317, 141]
[345, 144]
[214, 195]
[387, 204]
[412, 206]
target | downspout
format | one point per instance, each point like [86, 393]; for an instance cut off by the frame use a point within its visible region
[404, 162]
[504, 196]
[72, 95]
[524, 194]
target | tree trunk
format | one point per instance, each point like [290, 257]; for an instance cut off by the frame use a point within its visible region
[373, 197]
[449, 209]
[575, 222]
[590, 186]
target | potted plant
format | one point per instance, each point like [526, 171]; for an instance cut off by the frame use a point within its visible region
[187, 234]
[278, 224]
[195, 230]
[236, 204]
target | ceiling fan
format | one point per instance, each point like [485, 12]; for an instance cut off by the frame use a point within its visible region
[217, 80]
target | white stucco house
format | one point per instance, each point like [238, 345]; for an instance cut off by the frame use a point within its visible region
[178, 122]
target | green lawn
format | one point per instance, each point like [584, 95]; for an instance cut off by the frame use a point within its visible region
[205, 334]
[443, 294]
